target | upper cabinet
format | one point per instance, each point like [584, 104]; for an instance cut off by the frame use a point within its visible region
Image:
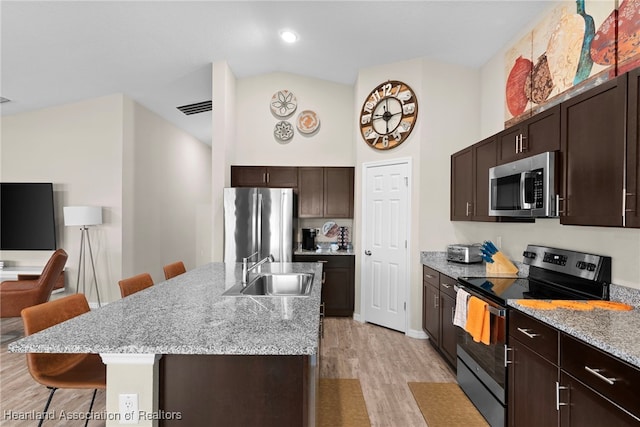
[264, 176]
[325, 192]
[632, 198]
[593, 152]
[470, 181]
[535, 135]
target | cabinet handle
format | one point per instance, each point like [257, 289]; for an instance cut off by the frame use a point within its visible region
[468, 208]
[506, 355]
[523, 147]
[558, 199]
[445, 285]
[267, 174]
[516, 144]
[625, 201]
[527, 333]
[435, 301]
[596, 372]
[558, 388]
[429, 276]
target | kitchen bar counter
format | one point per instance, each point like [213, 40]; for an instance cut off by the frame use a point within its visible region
[188, 315]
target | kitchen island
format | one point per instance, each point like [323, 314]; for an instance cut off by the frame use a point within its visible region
[185, 328]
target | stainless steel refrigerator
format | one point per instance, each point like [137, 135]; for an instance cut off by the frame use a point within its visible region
[258, 220]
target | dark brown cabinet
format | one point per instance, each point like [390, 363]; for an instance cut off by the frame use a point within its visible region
[593, 152]
[558, 380]
[338, 282]
[632, 198]
[325, 192]
[462, 185]
[209, 390]
[438, 307]
[535, 135]
[264, 176]
[430, 305]
[532, 371]
[470, 181]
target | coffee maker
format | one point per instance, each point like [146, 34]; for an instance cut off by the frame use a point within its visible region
[309, 239]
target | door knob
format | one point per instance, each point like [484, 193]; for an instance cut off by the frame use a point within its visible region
[367, 252]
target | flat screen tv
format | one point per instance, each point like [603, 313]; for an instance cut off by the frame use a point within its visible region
[27, 220]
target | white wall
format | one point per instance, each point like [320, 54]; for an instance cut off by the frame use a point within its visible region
[152, 180]
[448, 100]
[330, 146]
[168, 195]
[78, 147]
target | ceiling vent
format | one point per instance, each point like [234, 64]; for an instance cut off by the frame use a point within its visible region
[199, 107]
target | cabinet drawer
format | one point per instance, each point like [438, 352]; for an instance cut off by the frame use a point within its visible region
[607, 375]
[430, 275]
[446, 285]
[534, 334]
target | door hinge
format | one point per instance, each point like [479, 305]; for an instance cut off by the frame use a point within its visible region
[406, 181]
[405, 306]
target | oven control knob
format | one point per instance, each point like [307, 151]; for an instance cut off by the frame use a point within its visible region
[581, 265]
[591, 267]
[528, 254]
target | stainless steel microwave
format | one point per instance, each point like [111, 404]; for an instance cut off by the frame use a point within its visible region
[524, 188]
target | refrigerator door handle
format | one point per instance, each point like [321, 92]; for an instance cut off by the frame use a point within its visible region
[283, 198]
[259, 225]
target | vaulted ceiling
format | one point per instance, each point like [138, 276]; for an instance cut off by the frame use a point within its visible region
[160, 52]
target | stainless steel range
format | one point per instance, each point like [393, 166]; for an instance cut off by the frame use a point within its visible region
[553, 274]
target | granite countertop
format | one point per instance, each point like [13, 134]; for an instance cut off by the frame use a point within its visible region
[615, 332]
[188, 315]
[324, 252]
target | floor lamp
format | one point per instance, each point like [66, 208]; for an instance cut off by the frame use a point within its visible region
[84, 216]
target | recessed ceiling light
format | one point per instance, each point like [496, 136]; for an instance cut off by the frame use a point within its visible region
[288, 36]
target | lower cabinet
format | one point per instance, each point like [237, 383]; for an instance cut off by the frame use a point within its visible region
[338, 282]
[558, 380]
[438, 307]
[237, 390]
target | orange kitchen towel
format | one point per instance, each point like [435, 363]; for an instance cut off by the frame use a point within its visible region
[478, 320]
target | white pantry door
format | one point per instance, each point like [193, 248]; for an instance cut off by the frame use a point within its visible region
[386, 225]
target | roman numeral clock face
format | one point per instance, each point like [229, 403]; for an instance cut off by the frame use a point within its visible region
[388, 115]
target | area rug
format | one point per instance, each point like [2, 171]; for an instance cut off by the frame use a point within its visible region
[341, 404]
[445, 405]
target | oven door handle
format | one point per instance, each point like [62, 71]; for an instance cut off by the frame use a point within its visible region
[500, 312]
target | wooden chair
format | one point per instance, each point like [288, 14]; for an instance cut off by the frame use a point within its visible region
[62, 370]
[135, 284]
[18, 294]
[174, 269]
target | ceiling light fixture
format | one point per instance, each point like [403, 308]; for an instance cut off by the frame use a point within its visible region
[288, 36]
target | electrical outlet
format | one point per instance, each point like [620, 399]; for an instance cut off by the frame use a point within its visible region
[128, 408]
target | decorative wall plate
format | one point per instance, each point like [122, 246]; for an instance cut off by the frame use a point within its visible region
[283, 103]
[330, 229]
[283, 131]
[308, 122]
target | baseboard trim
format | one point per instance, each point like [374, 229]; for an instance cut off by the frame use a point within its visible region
[417, 334]
[358, 318]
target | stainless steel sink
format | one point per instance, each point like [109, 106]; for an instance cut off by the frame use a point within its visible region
[275, 284]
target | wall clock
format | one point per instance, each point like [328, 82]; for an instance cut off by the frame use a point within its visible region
[388, 115]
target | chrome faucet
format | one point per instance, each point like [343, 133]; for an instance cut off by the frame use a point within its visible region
[246, 269]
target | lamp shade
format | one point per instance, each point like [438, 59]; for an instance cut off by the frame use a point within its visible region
[82, 215]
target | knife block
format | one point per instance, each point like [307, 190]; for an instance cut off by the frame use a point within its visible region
[501, 266]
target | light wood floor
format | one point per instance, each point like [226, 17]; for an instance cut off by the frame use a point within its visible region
[383, 360]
